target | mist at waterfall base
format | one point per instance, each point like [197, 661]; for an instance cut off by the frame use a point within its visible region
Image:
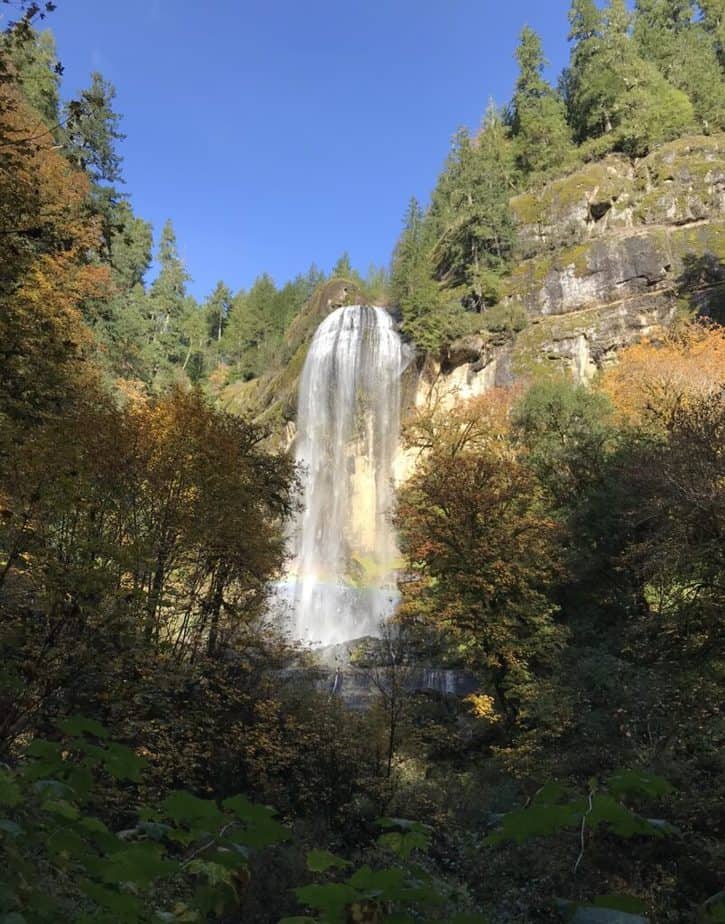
[341, 580]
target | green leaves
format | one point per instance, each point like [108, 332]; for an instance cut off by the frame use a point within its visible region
[319, 861]
[413, 836]
[536, 821]
[548, 814]
[140, 864]
[331, 899]
[9, 790]
[627, 903]
[261, 829]
[187, 809]
[635, 783]
[77, 726]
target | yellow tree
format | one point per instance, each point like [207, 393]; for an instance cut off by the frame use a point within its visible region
[45, 238]
[481, 552]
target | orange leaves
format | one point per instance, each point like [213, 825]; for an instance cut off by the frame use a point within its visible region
[475, 530]
[481, 422]
[46, 240]
[652, 379]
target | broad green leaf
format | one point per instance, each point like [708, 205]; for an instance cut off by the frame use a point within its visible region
[247, 811]
[536, 821]
[551, 794]
[628, 903]
[122, 763]
[403, 844]
[46, 750]
[94, 825]
[61, 808]
[183, 807]
[264, 833]
[636, 782]
[623, 822]
[383, 884]
[9, 790]
[138, 863]
[320, 860]
[10, 827]
[80, 780]
[154, 829]
[330, 899]
[263, 829]
[123, 906]
[13, 918]
[66, 841]
[214, 873]
[78, 725]
[53, 788]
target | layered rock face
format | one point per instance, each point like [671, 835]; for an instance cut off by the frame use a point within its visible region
[608, 254]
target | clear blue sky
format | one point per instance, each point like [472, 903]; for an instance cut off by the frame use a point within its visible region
[275, 133]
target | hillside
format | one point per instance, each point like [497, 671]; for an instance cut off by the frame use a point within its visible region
[613, 251]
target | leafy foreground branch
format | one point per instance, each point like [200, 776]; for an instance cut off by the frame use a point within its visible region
[187, 859]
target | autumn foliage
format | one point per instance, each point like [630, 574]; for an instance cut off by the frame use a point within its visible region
[46, 242]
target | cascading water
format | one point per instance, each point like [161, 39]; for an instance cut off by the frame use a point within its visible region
[342, 581]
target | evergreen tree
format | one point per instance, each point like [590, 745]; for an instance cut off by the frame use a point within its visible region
[342, 267]
[92, 134]
[613, 92]
[470, 208]
[217, 310]
[542, 136]
[33, 56]
[668, 34]
[194, 338]
[92, 130]
[713, 21]
[313, 278]
[131, 245]
[427, 318]
[253, 323]
[167, 303]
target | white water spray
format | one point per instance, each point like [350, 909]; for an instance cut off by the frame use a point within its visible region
[342, 581]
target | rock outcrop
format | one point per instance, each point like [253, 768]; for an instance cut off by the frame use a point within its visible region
[612, 252]
[608, 254]
[272, 398]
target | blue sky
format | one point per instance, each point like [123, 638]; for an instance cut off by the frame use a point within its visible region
[279, 133]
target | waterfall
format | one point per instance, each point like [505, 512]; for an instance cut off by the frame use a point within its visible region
[342, 581]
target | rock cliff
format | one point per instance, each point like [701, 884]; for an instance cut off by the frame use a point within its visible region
[612, 252]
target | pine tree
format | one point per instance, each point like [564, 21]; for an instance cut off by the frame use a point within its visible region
[34, 59]
[427, 317]
[91, 137]
[168, 302]
[668, 34]
[470, 208]
[612, 92]
[542, 138]
[713, 21]
[253, 325]
[217, 310]
[342, 267]
[93, 132]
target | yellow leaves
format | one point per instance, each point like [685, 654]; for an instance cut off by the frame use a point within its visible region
[652, 379]
[482, 706]
[46, 238]
[480, 423]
